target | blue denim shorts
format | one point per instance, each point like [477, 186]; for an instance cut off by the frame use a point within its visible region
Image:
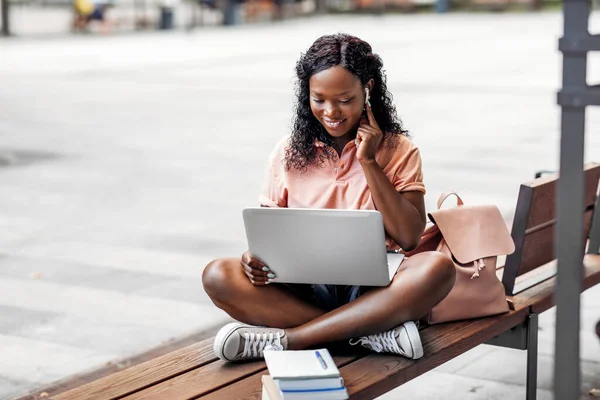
[327, 297]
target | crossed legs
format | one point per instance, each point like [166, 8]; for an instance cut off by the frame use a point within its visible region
[422, 281]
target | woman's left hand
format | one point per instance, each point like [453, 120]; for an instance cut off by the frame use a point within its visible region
[368, 138]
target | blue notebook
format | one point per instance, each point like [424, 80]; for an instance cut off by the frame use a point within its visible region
[299, 385]
[271, 391]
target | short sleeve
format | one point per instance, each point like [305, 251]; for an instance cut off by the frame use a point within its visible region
[408, 176]
[274, 191]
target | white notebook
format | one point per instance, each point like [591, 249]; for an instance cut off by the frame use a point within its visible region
[301, 364]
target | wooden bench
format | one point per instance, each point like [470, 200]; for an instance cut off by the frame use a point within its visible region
[527, 275]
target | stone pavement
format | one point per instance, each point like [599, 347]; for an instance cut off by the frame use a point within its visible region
[125, 162]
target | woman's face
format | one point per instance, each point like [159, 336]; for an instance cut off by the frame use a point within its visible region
[337, 100]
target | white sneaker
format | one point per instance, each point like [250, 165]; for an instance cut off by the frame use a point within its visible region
[236, 341]
[404, 340]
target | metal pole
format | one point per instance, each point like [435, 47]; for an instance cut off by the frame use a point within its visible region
[567, 377]
[5, 19]
[532, 357]
[570, 208]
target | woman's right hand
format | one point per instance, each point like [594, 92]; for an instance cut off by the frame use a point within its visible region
[258, 273]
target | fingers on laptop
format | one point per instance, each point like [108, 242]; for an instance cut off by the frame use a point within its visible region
[253, 262]
[258, 267]
[256, 273]
[255, 270]
[256, 280]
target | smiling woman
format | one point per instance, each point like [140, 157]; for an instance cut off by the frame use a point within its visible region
[344, 152]
[336, 100]
[332, 77]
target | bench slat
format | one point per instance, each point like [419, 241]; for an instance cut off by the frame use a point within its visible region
[251, 387]
[247, 389]
[541, 296]
[534, 225]
[539, 246]
[199, 381]
[534, 277]
[543, 205]
[376, 374]
[143, 375]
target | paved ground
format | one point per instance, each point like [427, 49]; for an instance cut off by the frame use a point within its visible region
[125, 162]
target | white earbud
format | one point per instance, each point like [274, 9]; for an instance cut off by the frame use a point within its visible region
[367, 96]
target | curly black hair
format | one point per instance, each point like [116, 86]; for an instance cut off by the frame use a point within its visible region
[357, 57]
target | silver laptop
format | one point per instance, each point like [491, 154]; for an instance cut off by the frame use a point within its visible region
[321, 246]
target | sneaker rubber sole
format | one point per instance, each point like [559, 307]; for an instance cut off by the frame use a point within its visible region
[415, 339]
[221, 337]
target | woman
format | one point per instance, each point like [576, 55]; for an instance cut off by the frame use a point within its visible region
[344, 152]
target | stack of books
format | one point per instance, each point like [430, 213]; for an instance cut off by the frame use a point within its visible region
[303, 374]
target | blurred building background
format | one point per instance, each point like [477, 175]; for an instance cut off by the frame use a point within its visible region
[39, 17]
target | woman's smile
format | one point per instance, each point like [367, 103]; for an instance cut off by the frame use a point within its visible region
[337, 101]
[334, 124]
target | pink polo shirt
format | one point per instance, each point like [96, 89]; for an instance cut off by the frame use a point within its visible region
[340, 183]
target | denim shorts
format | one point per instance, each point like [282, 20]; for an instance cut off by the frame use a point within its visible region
[326, 297]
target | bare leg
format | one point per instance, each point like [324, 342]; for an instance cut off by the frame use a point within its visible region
[271, 305]
[422, 281]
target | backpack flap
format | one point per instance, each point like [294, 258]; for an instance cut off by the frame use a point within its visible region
[474, 232]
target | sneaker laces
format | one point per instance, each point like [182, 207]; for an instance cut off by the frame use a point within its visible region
[381, 342]
[256, 343]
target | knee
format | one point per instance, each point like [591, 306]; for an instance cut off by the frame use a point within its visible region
[440, 271]
[215, 277]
